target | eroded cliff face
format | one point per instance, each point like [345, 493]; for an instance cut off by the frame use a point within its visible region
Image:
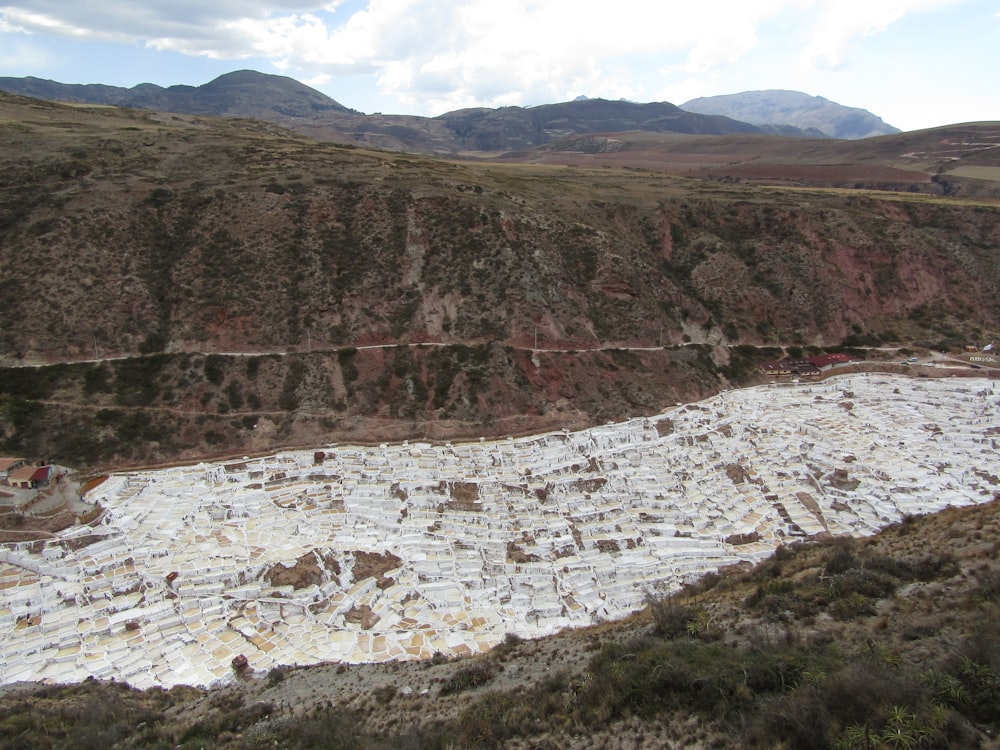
[128, 234]
[278, 264]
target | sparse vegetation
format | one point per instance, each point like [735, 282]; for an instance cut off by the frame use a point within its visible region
[237, 245]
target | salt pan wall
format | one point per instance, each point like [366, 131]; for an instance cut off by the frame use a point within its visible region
[401, 551]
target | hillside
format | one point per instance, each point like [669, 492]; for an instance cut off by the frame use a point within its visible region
[517, 127]
[142, 221]
[243, 93]
[888, 641]
[958, 160]
[128, 233]
[810, 113]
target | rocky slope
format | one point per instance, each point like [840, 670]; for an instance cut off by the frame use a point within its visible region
[137, 232]
[128, 233]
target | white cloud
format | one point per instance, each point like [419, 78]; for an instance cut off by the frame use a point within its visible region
[434, 55]
[321, 80]
[428, 53]
[842, 24]
[27, 21]
[684, 91]
[23, 56]
[175, 20]
[518, 51]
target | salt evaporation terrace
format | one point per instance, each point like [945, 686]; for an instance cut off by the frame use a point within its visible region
[400, 551]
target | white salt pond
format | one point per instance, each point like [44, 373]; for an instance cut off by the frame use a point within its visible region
[359, 554]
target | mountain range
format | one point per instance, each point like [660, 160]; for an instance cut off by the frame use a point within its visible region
[298, 107]
[813, 114]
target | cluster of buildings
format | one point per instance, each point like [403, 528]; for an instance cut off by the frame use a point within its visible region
[18, 473]
[805, 368]
[359, 554]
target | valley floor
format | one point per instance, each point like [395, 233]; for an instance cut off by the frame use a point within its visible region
[402, 552]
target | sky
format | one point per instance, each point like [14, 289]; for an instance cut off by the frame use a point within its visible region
[914, 63]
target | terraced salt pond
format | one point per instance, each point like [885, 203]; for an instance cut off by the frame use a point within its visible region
[400, 551]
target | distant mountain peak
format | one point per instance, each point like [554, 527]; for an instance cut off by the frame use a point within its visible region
[241, 93]
[785, 107]
[245, 75]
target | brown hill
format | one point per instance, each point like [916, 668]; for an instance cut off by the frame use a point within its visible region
[127, 233]
[243, 93]
[953, 160]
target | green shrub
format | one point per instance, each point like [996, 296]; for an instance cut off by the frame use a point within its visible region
[288, 400]
[215, 369]
[234, 392]
[467, 678]
[852, 606]
[275, 676]
[987, 587]
[670, 617]
[778, 597]
[33, 383]
[137, 379]
[349, 370]
[866, 582]
[97, 379]
[841, 559]
[325, 728]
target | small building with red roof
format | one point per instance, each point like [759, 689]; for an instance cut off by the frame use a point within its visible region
[29, 477]
[805, 367]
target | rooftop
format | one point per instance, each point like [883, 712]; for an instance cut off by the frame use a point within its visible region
[6, 463]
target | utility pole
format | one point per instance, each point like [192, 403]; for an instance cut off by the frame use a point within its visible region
[536, 338]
